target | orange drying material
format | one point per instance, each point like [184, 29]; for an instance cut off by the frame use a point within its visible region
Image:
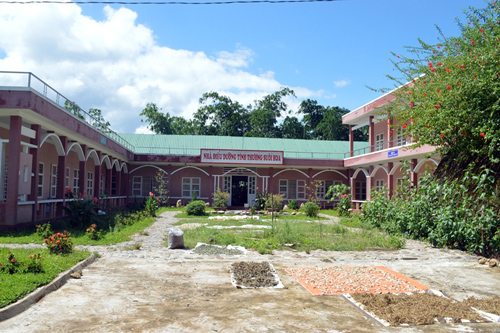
[353, 279]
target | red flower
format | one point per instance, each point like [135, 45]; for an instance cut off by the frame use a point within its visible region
[474, 77]
[448, 70]
[409, 92]
[411, 104]
[425, 94]
[440, 64]
[390, 132]
[150, 194]
[404, 126]
[459, 53]
[13, 260]
[58, 241]
[427, 126]
[433, 70]
[474, 58]
[463, 133]
[482, 135]
[449, 87]
[437, 107]
[438, 91]
[472, 42]
[442, 135]
[95, 200]
[459, 83]
[439, 47]
[463, 66]
[482, 30]
[157, 199]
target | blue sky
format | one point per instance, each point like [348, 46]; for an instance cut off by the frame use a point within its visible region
[120, 57]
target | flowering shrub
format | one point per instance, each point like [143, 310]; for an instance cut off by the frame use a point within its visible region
[260, 199]
[152, 205]
[44, 230]
[92, 232]
[11, 266]
[343, 193]
[59, 243]
[34, 264]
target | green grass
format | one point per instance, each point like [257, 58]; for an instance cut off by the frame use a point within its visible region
[300, 217]
[80, 237]
[15, 286]
[329, 212]
[304, 237]
[355, 220]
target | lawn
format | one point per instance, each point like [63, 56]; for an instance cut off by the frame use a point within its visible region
[15, 286]
[288, 234]
[124, 226]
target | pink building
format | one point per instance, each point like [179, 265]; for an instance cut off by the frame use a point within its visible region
[46, 151]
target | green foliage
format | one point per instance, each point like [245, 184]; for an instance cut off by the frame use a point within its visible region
[59, 243]
[260, 199]
[151, 205]
[44, 230]
[310, 208]
[196, 208]
[81, 211]
[160, 188]
[93, 233]
[274, 201]
[452, 99]
[452, 213]
[33, 271]
[293, 204]
[343, 193]
[221, 199]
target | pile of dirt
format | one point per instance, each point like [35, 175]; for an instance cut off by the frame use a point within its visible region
[254, 274]
[490, 305]
[213, 250]
[418, 309]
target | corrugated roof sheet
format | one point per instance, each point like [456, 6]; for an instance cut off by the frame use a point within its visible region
[191, 145]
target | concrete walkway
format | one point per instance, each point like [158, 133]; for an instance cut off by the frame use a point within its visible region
[159, 290]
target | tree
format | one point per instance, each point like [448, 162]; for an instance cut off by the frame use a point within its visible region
[265, 114]
[97, 120]
[291, 128]
[163, 123]
[219, 115]
[452, 98]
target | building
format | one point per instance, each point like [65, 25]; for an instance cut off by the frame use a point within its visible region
[55, 152]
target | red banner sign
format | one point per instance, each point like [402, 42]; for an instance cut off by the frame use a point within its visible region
[227, 156]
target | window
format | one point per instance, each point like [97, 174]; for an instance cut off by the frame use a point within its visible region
[190, 187]
[113, 185]
[90, 184]
[251, 185]
[53, 181]
[40, 179]
[379, 142]
[66, 184]
[136, 185]
[401, 137]
[379, 185]
[292, 189]
[76, 180]
[226, 186]
[361, 190]
[323, 187]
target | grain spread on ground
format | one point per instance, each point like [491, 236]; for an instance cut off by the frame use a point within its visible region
[254, 274]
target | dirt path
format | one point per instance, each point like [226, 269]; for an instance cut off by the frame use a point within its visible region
[159, 290]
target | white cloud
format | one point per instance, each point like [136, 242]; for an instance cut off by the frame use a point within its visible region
[341, 83]
[117, 66]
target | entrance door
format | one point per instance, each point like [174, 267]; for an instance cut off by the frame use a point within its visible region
[239, 190]
[251, 190]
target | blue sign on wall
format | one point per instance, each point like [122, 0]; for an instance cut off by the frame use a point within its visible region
[392, 153]
[103, 140]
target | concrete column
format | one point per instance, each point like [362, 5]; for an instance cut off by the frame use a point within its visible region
[371, 133]
[119, 183]
[35, 152]
[351, 141]
[13, 171]
[97, 172]
[83, 173]
[210, 184]
[169, 187]
[61, 177]
[390, 183]
[413, 174]
[107, 181]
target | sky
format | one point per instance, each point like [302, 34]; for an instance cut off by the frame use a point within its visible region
[118, 58]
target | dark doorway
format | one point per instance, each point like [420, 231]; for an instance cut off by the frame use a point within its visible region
[239, 189]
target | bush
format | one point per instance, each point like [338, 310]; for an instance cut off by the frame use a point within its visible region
[196, 208]
[93, 233]
[59, 243]
[343, 193]
[151, 205]
[274, 201]
[44, 230]
[221, 199]
[311, 209]
[293, 204]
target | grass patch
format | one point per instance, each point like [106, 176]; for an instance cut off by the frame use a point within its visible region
[15, 286]
[300, 217]
[355, 221]
[117, 234]
[304, 237]
[329, 212]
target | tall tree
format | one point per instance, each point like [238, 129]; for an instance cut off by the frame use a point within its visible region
[291, 128]
[265, 114]
[163, 123]
[219, 115]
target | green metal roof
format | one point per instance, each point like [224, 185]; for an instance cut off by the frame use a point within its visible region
[191, 145]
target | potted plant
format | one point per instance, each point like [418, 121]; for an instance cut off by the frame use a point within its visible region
[221, 200]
